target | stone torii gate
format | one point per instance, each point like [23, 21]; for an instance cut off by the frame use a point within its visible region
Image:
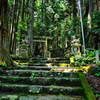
[43, 39]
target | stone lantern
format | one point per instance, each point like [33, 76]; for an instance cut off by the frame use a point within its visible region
[75, 47]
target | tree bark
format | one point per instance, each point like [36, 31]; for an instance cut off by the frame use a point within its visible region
[30, 26]
[12, 27]
[90, 15]
[4, 38]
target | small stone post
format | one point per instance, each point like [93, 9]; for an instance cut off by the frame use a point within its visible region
[97, 56]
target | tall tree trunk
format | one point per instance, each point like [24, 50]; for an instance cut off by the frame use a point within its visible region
[22, 10]
[74, 9]
[22, 18]
[89, 19]
[90, 15]
[4, 38]
[30, 26]
[14, 24]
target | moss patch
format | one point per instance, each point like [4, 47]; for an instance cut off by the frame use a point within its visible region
[88, 92]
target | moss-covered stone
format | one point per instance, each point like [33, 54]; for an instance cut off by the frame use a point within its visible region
[9, 97]
[88, 93]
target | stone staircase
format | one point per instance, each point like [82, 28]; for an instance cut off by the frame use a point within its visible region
[38, 82]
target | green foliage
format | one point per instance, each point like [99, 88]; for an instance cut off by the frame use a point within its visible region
[31, 61]
[80, 60]
[99, 51]
[97, 95]
[22, 28]
[61, 94]
[75, 25]
[34, 92]
[22, 67]
[97, 74]
[90, 58]
[96, 22]
[0, 68]
[96, 16]
[10, 2]
[90, 54]
[4, 65]
[17, 35]
[79, 63]
[33, 75]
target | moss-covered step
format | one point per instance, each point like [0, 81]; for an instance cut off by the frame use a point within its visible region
[37, 73]
[48, 60]
[47, 64]
[28, 68]
[40, 60]
[51, 98]
[45, 82]
[41, 81]
[27, 58]
[20, 58]
[51, 60]
[39, 89]
[47, 68]
[33, 68]
[38, 97]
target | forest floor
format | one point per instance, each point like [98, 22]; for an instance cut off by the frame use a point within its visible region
[94, 83]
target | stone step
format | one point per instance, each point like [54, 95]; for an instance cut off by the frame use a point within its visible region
[26, 58]
[41, 80]
[37, 97]
[37, 64]
[41, 60]
[45, 64]
[49, 59]
[48, 64]
[46, 61]
[37, 73]
[33, 68]
[49, 68]
[39, 89]
[52, 98]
